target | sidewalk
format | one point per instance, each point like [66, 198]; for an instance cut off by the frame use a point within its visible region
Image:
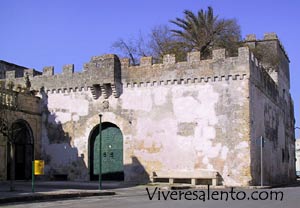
[48, 190]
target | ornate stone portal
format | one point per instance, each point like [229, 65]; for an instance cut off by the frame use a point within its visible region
[20, 125]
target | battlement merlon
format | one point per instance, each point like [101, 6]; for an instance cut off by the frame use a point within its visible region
[277, 61]
[108, 65]
[251, 40]
[30, 72]
[48, 71]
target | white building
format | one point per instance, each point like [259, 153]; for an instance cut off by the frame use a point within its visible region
[194, 119]
[297, 154]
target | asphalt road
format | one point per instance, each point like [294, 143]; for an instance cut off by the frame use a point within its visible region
[136, 198]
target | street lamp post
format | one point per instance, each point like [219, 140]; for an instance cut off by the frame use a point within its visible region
[100, 159]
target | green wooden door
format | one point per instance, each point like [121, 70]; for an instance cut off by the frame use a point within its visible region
[112, 151]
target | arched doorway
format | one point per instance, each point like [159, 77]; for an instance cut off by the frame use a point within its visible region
[111, 152]
[23, 140]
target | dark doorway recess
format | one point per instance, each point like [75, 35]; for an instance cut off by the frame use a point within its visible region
[24, 148]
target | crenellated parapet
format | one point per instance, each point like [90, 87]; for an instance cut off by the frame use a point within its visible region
[260, 77]
[272, 78]
[273, 57]
[107, 75]
[194, 70]
[252, 40]
[101, 76]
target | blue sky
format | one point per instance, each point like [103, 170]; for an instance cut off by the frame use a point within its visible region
[37, 33]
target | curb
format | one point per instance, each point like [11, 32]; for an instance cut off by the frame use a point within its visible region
[47, 196]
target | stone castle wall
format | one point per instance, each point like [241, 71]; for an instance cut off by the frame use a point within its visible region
[172, 127]
[163, 110]
[272, 116]
[193, 115]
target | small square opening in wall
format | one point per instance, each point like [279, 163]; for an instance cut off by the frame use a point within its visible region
[204, 182]
[182, 180]
[162, 180]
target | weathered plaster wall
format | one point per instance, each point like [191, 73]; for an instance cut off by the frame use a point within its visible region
[169, 125]
[272, 118]
[172, 127]
[297, 152]
[184, 127]
[64, 118]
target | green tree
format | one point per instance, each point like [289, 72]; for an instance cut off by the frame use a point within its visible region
[204, 31]
[197, 32]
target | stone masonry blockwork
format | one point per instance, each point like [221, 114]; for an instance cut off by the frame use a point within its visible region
[174, 116]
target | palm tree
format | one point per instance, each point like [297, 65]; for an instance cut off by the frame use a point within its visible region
[204, 31]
